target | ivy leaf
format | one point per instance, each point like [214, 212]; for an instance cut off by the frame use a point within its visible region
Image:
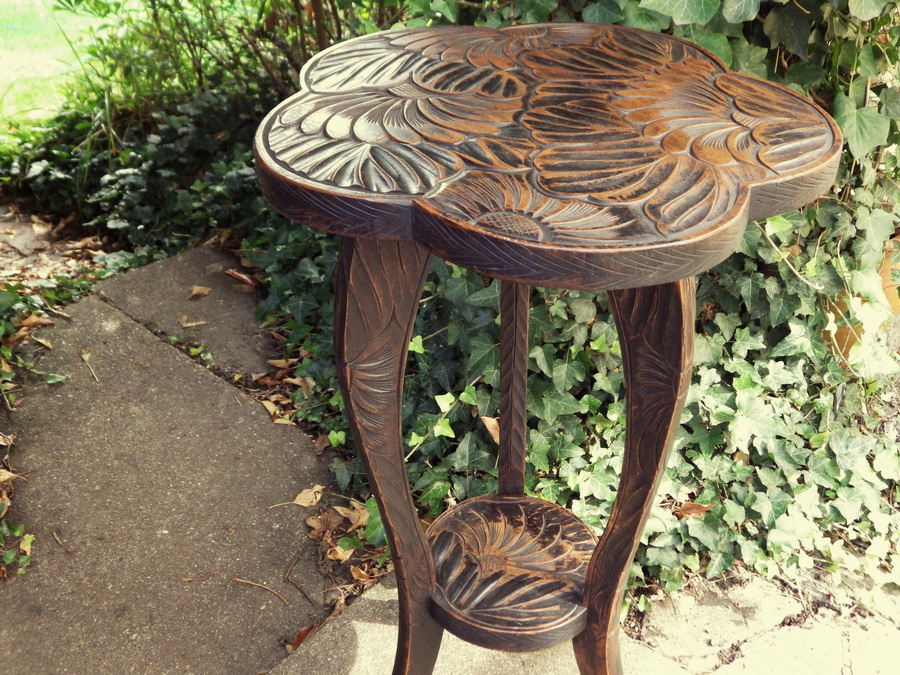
[738, 11]
[374, 532]
[434, 495]
[745, 342]
[486, 297]
[605, 11]
[849, 447]
[442, 428]
[445, 401]
[823, 470]
[754, 418]
[718, 44]
[781, 307]
[789, 26]
[771, 505]
[567, 373]
[864, 128]
[750, 60]
[866, 9]
[887, 462]
[719, 562]
[468, 456]
[799, 341]
[684, 11]
[646, 19]
[709, 531]
[890, 103]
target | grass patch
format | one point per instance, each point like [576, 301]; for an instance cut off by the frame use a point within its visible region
[38, 60]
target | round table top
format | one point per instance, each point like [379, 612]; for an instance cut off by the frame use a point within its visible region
[567, 155]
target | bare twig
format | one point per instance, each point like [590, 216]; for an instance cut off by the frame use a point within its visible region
[298, 586]
[61, 544]
[253, 583]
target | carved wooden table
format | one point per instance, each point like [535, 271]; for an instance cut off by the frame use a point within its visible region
[569, 156]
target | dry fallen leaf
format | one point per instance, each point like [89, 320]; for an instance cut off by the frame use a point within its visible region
[33, 320]
[689, 509]
[741, 458]
[199, 292]
[321, 444]
[243, 278]
[339, 554]
[186, 323]
[310, 496]
[492, 424]
[324, 523]
[6, 476]
[358, 515]
[43, 343]
[281, 363]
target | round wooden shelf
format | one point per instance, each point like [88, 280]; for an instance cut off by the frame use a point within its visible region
[510, 572]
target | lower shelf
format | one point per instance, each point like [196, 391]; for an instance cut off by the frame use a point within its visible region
[510, 572]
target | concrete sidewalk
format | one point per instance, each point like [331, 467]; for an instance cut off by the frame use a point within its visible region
[149, 485]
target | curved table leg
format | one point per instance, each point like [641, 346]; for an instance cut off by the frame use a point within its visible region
[377, 292]
[656, 335]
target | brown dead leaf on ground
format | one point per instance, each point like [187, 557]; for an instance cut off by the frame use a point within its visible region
[357, 514]
[321, 444]
[185, 322]
[8, 476]
[243, 278]
[326, 524]
[34, 320]
[689, 509]
[339, 554]
[492, 424]
[310, 496]
[282, 363]
[46, 344]
[199, 292]
[304, 633]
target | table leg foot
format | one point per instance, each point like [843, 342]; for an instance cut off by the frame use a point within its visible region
[379, 284]
[656, 335]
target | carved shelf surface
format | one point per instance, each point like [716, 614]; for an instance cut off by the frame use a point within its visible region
[575, 155]
[510, 572]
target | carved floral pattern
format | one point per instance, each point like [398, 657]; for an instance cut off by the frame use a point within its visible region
[572, 134]
[510, 570]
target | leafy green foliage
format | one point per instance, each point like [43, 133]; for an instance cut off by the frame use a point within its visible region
[15, 548]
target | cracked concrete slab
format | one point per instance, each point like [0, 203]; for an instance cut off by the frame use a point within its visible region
[159, 296]
[148, 491]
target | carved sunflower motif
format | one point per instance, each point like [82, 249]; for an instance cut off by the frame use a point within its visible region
[500, 560]
[379, 117]
[507, 205]
[661, 126]
[613, 145]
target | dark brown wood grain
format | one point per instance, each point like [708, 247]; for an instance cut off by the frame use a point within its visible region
[656, 335]
[573, 156]
[377, 293]
[510, 572]
[513, 387]
[568, 155]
